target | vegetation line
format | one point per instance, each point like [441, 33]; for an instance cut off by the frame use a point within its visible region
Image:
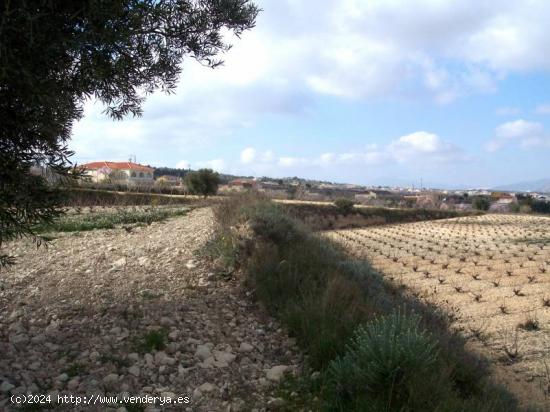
[108, 220]
[369, 347]
[343, 214]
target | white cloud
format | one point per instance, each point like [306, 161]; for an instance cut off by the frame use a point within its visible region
[418, 142]
[518, 129]
[543, 109]
[368, 156]
[217, 165]
[350, 49]
[424, 146]
[248, 155]
[183, 164]
[522, 132]
[327, 158]
[251, 156]
[267, 156]
[416, 148]
[443, 49]
[288, 161]
[493, 145]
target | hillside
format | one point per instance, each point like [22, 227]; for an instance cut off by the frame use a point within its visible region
[541, 185]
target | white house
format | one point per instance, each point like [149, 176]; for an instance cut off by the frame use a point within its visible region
[119, 172]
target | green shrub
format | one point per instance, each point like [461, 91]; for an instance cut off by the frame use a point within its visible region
[270, 222]
[539, 206]
[79, 197]
[481, 203]
[316, 215]
[223, 247]
[230, 212]
[108, 220]
[203, 182]
[322, 322]
[386, 360]
[344, 205]
[153, 340]
[302, 283]
[322, 296]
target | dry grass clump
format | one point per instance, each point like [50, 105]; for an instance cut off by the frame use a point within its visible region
[529, 324]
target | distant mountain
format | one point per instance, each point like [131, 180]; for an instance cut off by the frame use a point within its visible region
[541, 185]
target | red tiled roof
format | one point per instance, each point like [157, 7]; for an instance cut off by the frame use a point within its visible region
[117, 166]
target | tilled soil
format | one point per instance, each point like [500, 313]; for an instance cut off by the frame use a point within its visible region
[133, 312]
[491, 273]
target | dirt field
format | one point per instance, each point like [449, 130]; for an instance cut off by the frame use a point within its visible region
[136, 311]
[492, 275]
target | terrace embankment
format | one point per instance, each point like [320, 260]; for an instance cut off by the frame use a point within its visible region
[370, 346]
[82, 197]
[318, 216]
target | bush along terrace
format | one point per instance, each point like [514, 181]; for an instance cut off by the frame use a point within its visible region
[343, 214]
[369, 347]
[77, 197]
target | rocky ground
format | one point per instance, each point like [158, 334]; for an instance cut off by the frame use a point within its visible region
[88, 315]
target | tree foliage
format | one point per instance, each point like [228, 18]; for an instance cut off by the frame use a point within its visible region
[161, 171]
[203, 182]
[57, 54]
[540, 206]
[344, 205]
[481, 203]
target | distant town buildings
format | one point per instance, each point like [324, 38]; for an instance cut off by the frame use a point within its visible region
[134, 174]
[119, 172]
[244, 183]
[168, 180]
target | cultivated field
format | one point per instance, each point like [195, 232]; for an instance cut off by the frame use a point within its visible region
[490, 273]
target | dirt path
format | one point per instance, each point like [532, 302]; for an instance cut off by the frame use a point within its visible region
[83, 316]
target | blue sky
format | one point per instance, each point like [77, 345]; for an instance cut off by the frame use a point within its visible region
[369, 92]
